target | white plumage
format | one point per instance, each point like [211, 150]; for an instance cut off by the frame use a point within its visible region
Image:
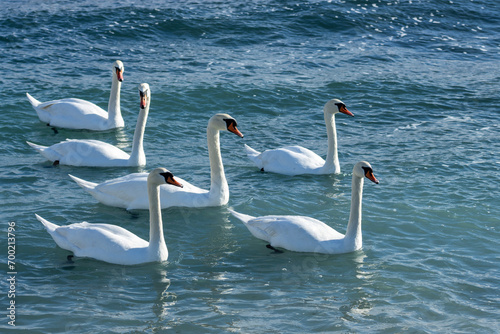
[306, 234]
[130, 191]
[74, 113]
[112, 243]
[95, 153]
[295, 160]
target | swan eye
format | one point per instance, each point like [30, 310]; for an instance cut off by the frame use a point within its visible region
[367, 170]
[119, 73]
[230, 121]
[231, 126]
[340, 106]
[169, 178]
[167, 175]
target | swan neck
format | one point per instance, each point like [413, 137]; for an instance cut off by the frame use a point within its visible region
[156, 238]
[114, 110]
[218, 183]
[332, 159]
[137, 156]
[353, 233]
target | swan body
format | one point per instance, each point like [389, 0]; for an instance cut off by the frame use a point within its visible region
[296, 160]
[74, 113]
[305, 234]
[95, 153]
[114, 244]
[130, 191]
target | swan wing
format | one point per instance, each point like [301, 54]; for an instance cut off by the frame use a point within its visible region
[187, 196]
[295, 233]
[130, 192]
[123, 191]
[73, 113]
[176, 197]
[291, 160]
[89, 152]
[99, 240]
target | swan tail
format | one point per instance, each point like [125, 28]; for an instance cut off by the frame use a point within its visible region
[107, 199]
[88, 186]
[42, 113]
[46, 152]
[256, 231]
[50, 227]
[253, 155]
[241, 216]
[39, 148]
[34, 102]
[59, 239]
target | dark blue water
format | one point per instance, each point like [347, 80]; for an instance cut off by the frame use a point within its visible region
[422, 79]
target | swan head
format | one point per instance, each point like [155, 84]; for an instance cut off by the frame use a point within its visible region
[145, 94]
[161, 176]
[364, 169]
[335, 106]
[224, 122]
[118, 70]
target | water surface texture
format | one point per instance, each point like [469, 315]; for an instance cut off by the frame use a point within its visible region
[423, 81]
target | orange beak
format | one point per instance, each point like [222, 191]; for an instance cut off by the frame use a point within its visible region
[143, 101]
[344, 110]
[172, 181]
[232, 128]
[369, 175]
[119, 75]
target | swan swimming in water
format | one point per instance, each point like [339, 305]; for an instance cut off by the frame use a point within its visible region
[130, 191]
[112, 243]
[296, 160]
[95, 153]
[306, 234]
[74, 113]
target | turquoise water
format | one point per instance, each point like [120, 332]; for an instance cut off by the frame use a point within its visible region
[422, 80]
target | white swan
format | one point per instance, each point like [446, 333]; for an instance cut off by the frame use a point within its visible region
[95, 153]
[130, 191]
[295, 160]
[80, 114]
[114, 244]
[305, 234]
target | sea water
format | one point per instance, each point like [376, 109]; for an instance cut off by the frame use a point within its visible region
[422, 79]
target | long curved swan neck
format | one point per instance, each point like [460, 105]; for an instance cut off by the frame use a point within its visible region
[218, 184]
[332, 158]
[156, 238]
[353, 233]
[114, 110]
[137, 156]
